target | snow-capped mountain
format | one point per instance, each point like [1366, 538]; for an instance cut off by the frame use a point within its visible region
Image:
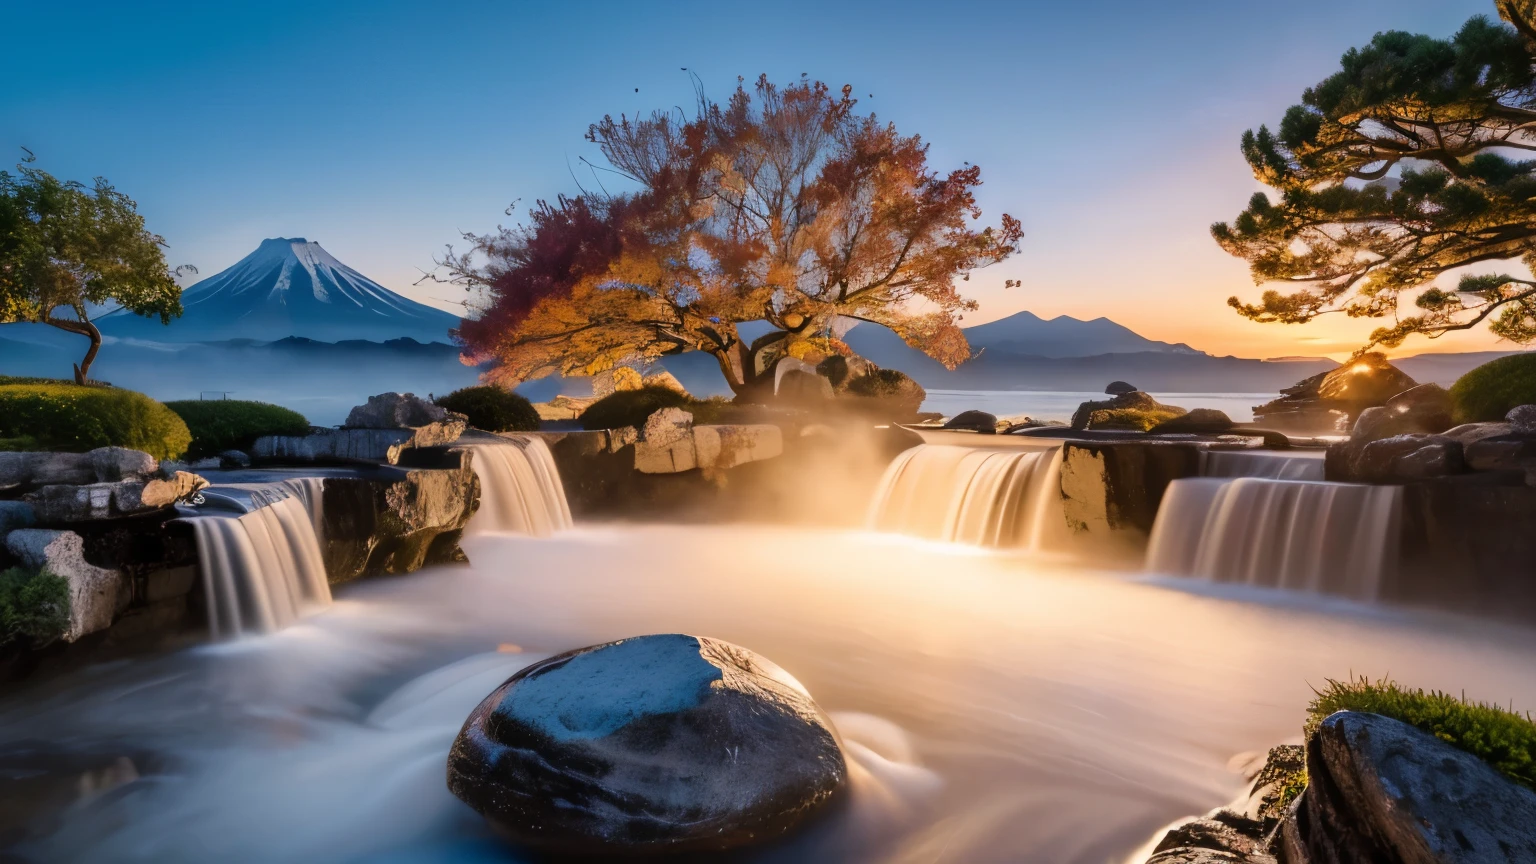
[288, 287]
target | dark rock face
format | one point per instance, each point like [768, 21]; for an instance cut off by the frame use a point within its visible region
[1115, 388]
[651, 745]
[1221, 838]
[396, 523]
[1382, 791]
[1331, 401]
[1199, 421]
[1111, 490]
[974, 421]
[1466, 544]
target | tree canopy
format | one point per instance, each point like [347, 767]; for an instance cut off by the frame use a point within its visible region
[781, 204]
[1402, 166]
[66, 246]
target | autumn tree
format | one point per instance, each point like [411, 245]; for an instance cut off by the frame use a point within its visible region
[66, 248]
[1402, 166]
[782, 204]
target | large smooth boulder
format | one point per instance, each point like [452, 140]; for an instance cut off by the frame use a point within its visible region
[1397, 459]
[653, 745]
[1117, 388]
[1381, 790]
[96, 595]
[973, 421]
[397, 411]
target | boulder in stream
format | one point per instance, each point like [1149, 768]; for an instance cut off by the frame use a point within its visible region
[973, 421]
[652, 745]
[96, 594]
[1381, 790]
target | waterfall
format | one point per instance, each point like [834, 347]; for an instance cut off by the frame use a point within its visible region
[520, 489]
[1268, 464]
[1006, 497]
[263, 570]
[1334, 538]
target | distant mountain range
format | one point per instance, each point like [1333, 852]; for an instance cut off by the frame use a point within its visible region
[288, 287]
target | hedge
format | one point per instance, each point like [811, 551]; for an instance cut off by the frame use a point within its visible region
[71, 417]
[34, 606]
[1488, 392]
[218, 425]
[630, 407]
[492, 409]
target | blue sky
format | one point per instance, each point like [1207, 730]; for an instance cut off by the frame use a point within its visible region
[383, 130]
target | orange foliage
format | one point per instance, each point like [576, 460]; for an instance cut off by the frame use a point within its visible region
[780, 205]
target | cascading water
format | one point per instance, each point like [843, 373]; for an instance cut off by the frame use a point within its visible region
[1266, 464]
[520, 489]
[1333, 538]
[1003, 497]
[263, 570]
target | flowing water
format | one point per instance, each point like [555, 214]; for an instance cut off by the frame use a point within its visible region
[984, 496]
[1332, 538]
[1265, 464]
[996, 708]
[263, 570]
[520, 488]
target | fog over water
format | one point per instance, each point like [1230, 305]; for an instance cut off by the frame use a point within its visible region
[996, 707]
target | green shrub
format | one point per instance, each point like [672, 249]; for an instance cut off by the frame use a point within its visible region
[234, 424]
[33, 606]
[1489, 391]
[70, 417]
[1502, 738]
[630, 407]
[492, 409]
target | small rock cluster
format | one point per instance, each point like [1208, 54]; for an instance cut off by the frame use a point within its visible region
[377, 431]
[670, 443]
[51, 497]
[1377, 790]
[1411, 437]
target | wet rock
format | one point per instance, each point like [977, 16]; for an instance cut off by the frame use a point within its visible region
[1381, 790]
[1462, 540]
[1111, 490]
[973, 421]
[16, 514]
[398, 411]
[96, 594]
[1116, 388]
[1396, 459]
[1522, 419]
[653, 745]
[1221, 838]
[1331, 401]
[1471, 433]
[234, 459]
[399, 524]
[1199, 421]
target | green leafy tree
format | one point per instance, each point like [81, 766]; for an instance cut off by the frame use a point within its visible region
[66, 248]
[1402, 166]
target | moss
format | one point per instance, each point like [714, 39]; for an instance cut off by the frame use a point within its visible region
[1488, 392]
[34, 606]
[631, 407]
[493, 409]
[70, 417]
[218, 425]
[1136, 419]
[1500, 737]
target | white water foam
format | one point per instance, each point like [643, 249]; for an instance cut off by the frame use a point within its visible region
[999, 497]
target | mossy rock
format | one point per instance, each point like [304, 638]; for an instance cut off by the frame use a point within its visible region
[75, 418]
[34, 607]
[218, 425]
[1488, 392]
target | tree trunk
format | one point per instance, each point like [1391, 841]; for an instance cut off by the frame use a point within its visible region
[85, 328]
